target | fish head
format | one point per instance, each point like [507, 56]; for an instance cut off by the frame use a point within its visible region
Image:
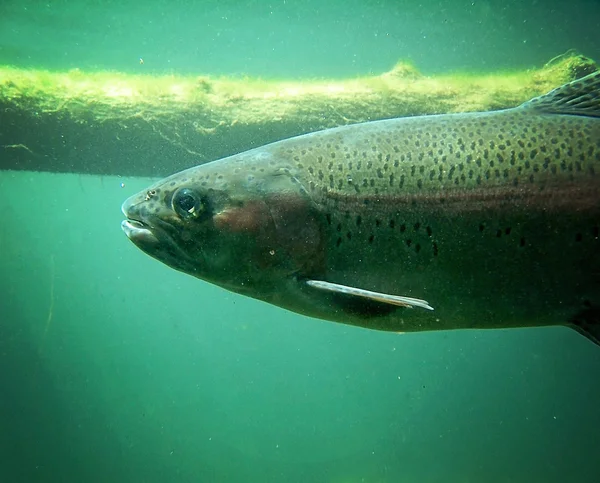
[244, 223]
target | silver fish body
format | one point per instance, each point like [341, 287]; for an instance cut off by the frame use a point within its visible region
[492, 218]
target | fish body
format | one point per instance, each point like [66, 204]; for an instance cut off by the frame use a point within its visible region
[491, 219]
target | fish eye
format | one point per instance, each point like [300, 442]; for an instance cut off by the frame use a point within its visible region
[187, 204]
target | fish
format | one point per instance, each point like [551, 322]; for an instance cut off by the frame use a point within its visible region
[451, 221]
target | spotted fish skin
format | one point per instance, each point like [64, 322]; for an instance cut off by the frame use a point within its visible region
[493, 218]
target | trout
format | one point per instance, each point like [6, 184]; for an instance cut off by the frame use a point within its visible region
[454, 221]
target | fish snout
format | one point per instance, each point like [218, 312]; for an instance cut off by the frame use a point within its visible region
[134, 226]
[126, 207]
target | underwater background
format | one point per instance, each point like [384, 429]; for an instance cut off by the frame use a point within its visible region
[114, 367]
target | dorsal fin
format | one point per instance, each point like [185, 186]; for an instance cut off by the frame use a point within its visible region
[578, 98]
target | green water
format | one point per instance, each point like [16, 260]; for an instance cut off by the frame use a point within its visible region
[114, 367]
[145, 374]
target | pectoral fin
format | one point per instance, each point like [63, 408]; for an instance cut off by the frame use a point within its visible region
[367, 294]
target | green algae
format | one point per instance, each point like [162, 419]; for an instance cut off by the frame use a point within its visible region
[203, 117]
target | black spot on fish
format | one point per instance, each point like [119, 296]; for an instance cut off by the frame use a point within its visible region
[402, 228]
[522, 242]
[417, 248]
[358, 220]
[338, 242]
[408, 242]
[507, 230]
[328, 218]
[371, 238]
[377, 223]
[392, 224]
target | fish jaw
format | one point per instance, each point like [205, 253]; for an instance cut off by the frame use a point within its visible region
[153, 233]
[137, 232]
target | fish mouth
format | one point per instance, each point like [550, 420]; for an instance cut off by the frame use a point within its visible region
[156, 241]
[137, 231]
[156, 237]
